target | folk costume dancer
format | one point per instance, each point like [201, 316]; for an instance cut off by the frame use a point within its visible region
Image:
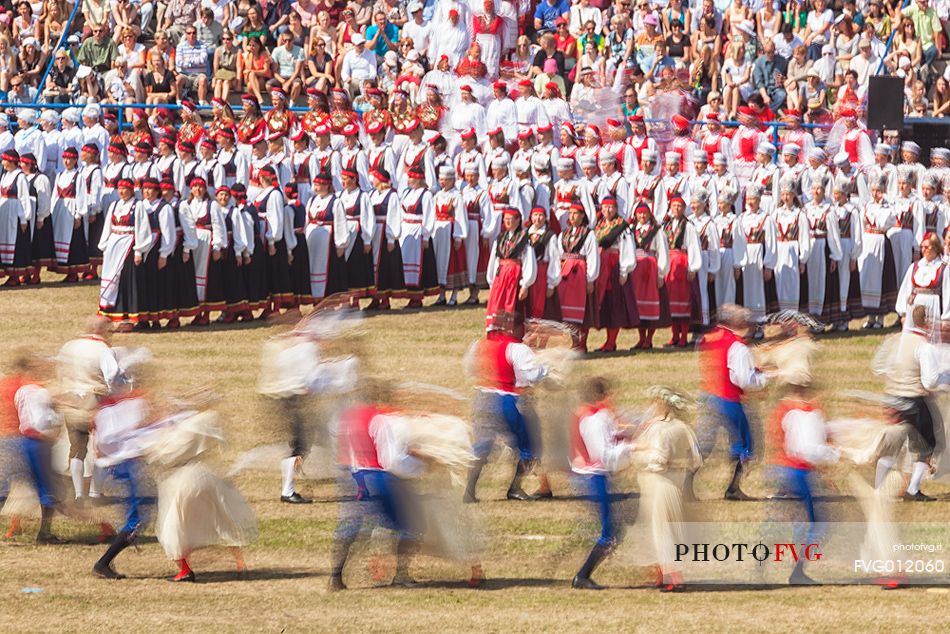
[793, 248]
[326, 236]
[876, 263]
[727, 371]
[580, 268]
[541, 302]
[649, 276]
[16, 216]
[598, 448]
[387, 256]
[686, 260]
[418, 223]
[360, 226]
[851, 234]
[69, 216]
[483, 226]
[824, 258]
[616, 304]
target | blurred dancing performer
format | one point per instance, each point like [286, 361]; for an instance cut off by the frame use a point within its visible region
[913, 376]
[503, 366]
[800, 441]
[665, 452]
[28, 405]
[291, 370]
[727, 371]
[597, 449]
[196, 508]
[119, 448]
[385, 451]
[87, 371]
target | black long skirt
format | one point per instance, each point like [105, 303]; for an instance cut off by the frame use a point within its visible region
[279, 286]
[95, 232]
[22, 253]
[831, 309]
[428, 277]
[78, 260]
[44, 253]
[389, 277]
[232, 279]
[214, 291]
[184, 286]
[255, 278]
[336, 274]
[300, 272]
[147, 286]
[128, 306]
[359, 270]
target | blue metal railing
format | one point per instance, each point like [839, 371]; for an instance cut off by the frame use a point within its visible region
[52, 54]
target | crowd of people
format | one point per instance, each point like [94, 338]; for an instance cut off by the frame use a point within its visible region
[805, 55]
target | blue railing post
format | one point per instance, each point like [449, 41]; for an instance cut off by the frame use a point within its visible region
[52, 56]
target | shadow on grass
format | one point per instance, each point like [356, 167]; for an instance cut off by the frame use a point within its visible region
[254, 574]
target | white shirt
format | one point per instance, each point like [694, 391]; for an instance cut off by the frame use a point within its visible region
[606, 453]
[359, 65]
[805, 437]
[742, 370]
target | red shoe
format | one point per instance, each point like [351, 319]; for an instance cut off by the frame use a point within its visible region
[90, 277]
[173, 323]
[606, 348]
[201, 320]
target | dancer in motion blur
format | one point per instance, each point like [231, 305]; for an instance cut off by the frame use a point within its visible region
[727, 371]
[597, 449]
[502, 366]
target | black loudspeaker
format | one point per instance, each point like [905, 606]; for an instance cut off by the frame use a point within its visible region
[886, 103]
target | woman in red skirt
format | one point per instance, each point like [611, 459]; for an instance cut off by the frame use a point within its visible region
[616, 305]
[580, 266]
[542, 303]
[686, 258]
[511, 272]
[653, 263]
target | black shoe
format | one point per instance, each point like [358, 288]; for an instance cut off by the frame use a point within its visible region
[188, 578]
[106, 572]
[917, 497]
[48, 540]
[799, 578]
[296, 498]
[543, 495]
[737, 496]
[469, 498]
[519, 495]
[584, 583]
[439, 302]
[336, 583]
[404, 581]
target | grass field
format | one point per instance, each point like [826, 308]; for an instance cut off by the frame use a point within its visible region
[528, 578]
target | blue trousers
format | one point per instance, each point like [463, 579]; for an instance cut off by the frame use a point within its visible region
[128, 474]
[731, 415]
[598, 492]
[799, 483]
[382, 508]
[37, 454]
[494, 410]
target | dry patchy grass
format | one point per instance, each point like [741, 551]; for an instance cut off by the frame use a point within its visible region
[528, 591]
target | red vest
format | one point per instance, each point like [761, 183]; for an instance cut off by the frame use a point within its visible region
[714, 366]
[9, 418]
[495, 370]
[777, 433]
[359, 450]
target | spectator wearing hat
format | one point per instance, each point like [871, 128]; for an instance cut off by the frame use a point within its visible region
[29, 138]
[450, 38]
[417, 29]
[31, 61]
[359, 64]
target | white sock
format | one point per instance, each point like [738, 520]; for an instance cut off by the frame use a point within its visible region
[920, 468]
[884, 465]
[95, 484]
[287, 476]
[76, 471]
